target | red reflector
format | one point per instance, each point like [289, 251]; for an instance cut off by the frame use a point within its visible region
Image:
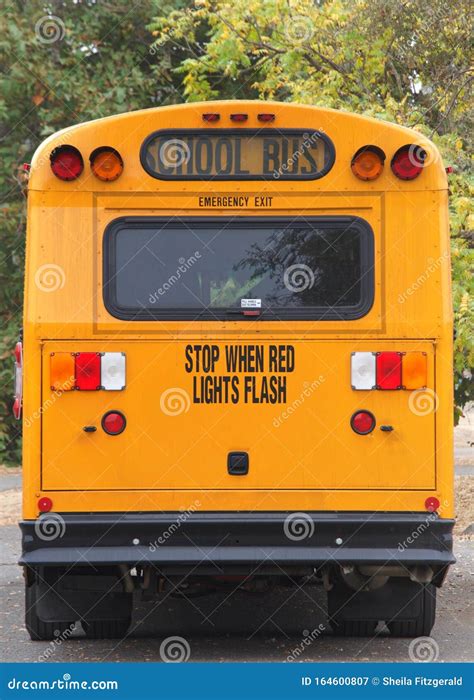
[17, 408]
[389, 370]
[66, 162]
[211, 117]
[432, 504]
[18, 353]
[239, 117]
[113, 422]
[266, 117]
[45, 504]
[408, 161]
[363, 422]
[87, 367]
[17, 403]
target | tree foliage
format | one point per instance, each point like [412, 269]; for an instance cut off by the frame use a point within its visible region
[62, 62]
[67, 61]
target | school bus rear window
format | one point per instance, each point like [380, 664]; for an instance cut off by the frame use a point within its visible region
[219, 269]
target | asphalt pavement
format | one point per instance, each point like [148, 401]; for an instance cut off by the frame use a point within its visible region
[280, 625]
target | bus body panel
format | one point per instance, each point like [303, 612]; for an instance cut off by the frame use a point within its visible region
[184, 418]
[411, 310]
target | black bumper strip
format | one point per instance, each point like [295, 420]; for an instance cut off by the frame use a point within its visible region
[279, 538]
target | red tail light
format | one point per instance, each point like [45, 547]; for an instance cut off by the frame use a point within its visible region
[66, 162]
[87, 370]
[408, 162]
[389, 370]
[239, 117]
[363, 422]
[113, 423]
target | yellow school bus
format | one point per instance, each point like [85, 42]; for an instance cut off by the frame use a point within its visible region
[237, 364]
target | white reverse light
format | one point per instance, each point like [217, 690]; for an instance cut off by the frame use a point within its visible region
[112, 370]
[363, 370]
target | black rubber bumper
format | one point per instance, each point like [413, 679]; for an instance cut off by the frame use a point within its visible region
[197, 540]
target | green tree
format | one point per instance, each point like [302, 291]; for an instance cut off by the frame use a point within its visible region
[62, 62]
[407, 62]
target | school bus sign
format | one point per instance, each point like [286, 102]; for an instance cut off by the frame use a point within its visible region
[245, 154]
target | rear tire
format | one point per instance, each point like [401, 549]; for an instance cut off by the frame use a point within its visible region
[421, 625]
[106, 629]
[38, 630]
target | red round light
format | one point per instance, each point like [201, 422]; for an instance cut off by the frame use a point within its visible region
[113, 423]
[66, 162]
[408, 162]
[45, 504]
[432, 504]
[363, 422]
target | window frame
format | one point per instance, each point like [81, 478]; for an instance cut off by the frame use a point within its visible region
[275, 314]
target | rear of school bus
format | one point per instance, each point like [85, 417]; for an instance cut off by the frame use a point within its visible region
[236, 364]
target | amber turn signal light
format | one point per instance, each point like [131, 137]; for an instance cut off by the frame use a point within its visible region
[367, 162]
[414, 370]
[106, 163]
[62, 372]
